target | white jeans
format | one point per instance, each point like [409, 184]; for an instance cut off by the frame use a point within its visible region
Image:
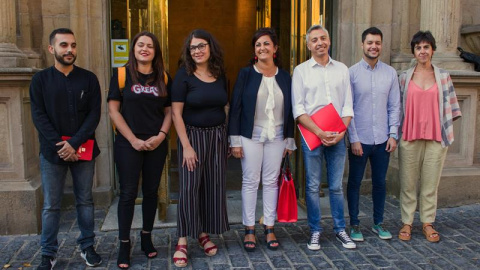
[261, 160]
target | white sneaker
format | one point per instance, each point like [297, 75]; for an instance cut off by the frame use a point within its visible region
[314, 242]
[343, 237]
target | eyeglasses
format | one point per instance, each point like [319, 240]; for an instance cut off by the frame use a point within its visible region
[201, 47]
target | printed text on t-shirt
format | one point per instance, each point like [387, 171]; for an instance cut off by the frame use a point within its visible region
[138, 89]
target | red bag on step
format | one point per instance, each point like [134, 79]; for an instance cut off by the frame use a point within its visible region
[287, 198]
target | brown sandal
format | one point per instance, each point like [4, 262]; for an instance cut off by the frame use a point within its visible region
[430, 234]
[405, 233]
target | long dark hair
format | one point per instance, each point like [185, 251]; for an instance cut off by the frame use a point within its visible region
[215, 62]
[267, 31]
[157, 64]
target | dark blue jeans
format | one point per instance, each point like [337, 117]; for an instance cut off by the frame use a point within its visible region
[53, 182]
[379, 159]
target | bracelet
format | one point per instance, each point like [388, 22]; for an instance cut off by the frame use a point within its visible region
[161, 131]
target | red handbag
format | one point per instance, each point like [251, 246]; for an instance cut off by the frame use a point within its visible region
[287, 198]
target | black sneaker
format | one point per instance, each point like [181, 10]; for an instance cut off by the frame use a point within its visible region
[91, 257]
[48, 262]
[343, 237]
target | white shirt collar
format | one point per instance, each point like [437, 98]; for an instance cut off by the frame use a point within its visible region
[312, 62]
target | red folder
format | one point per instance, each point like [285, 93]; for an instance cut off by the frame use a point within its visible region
[85, 150]
[327, 119]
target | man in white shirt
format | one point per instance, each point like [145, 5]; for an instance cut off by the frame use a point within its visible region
[316, 83]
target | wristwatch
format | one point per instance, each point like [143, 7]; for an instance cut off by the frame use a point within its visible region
[393, 135]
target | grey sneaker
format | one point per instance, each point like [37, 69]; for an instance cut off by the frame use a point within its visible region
[381, 231]
[355, 233]
[343, 237]
[91, 257]
[314, 242]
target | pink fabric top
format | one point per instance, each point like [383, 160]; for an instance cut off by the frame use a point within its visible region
[422, 121]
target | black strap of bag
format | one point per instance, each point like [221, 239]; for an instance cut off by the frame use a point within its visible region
[286, 164]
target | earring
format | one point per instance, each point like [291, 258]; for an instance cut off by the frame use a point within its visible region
[256, 59]
[274, 55]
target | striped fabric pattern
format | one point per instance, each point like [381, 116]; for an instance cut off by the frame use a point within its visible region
[202, 202]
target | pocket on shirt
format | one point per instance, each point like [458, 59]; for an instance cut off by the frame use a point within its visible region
[82, 99]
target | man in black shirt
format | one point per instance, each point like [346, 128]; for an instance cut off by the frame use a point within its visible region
[66, 101]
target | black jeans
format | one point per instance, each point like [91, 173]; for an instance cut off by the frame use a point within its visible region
[130, 163]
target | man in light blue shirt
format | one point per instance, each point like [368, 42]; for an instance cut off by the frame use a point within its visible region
[373, 131]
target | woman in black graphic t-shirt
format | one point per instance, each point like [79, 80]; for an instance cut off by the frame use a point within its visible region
[199, 95]
[142, 116]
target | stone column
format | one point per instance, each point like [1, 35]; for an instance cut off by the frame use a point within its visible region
[442, 18]
[353, 18]
[406, 22]
[20, 194]
[10, 55]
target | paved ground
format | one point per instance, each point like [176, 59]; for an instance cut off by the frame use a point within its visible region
[459, 248]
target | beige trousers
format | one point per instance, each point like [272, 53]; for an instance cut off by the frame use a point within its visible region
[421, 163]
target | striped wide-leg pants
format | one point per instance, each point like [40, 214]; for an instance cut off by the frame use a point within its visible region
[202, 200]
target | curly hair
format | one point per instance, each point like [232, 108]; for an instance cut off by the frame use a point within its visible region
[267, 31]
[215, 62]
[157, 64]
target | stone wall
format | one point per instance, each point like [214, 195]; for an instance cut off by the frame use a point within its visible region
[20, 194]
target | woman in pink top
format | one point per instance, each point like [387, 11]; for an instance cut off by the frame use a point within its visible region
[429, 107]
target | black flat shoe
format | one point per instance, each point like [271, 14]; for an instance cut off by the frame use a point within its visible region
[147, 245]
[270, 243]
[124, 254]
[245, 243]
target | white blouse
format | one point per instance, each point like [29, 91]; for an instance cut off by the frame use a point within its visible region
[268, 122]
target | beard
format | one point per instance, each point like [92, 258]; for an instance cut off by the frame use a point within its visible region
[370, 57]
[61, 60]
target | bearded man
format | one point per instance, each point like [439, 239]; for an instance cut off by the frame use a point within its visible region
[66, 102]
[373, 133]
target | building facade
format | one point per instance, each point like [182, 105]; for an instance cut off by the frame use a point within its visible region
[26, 24]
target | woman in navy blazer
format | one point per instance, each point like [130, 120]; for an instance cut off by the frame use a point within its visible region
[261, 130]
